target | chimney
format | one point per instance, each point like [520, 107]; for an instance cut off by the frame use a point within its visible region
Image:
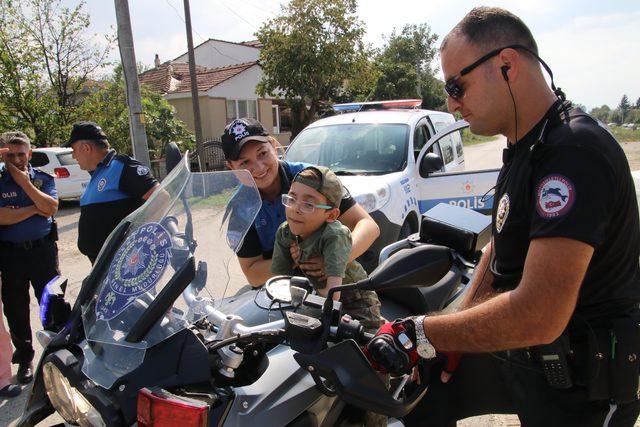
[156, 61]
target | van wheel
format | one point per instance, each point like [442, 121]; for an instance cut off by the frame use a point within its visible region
[406, 230]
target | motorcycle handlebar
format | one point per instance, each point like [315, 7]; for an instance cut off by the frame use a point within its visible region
[230, 325]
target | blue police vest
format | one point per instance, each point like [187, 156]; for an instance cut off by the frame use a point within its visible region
[271, 214]
[12, 195]
[104, 183]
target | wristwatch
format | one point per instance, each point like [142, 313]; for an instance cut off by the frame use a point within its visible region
[425, 349]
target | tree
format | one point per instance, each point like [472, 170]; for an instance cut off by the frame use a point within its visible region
[637, 107]
[46, 60]
[602, 113]
[309, 51]
[624, 107]
[107, 106]
[406, 67]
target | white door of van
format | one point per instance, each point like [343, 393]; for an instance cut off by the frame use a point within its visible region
[451, 183]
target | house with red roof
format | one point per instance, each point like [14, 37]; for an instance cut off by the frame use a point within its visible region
[227, 74]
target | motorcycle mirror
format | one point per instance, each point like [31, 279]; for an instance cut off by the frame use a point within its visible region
[172, 156]
[421, 266]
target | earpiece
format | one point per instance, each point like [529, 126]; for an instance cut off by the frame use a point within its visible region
[504, 70]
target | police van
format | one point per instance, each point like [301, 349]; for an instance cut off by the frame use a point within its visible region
[398, 161]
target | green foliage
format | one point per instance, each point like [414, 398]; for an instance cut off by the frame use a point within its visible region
[624, 107]
[602, 113]
[107, 106]
[46, 61]
[624, 113]
[406, 67]
[309, 50]
[469, 138]
[626, 135]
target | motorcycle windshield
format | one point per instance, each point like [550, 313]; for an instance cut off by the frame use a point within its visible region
[203, 216]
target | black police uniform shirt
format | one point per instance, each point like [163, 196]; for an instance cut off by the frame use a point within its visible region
[13, 196]
[260, 238]
[570, 179]
[114, 191]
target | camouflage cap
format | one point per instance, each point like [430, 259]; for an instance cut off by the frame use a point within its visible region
[329, 185]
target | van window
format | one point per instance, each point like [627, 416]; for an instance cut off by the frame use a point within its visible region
[446, 143]
[358, 149]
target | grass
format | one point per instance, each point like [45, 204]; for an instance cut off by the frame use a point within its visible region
[469, 138]
[625, 135]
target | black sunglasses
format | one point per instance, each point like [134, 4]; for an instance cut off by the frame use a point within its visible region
[456, 91]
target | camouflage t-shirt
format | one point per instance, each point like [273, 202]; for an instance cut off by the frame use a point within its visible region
[333, 242]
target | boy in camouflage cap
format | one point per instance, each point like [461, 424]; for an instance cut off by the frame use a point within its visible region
[311, 208]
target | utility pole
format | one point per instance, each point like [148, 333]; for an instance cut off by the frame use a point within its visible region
[130, 71]
[194, 85]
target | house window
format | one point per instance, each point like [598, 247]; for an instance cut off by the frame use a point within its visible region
[238, 108]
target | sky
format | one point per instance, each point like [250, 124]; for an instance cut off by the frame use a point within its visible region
[592, 46]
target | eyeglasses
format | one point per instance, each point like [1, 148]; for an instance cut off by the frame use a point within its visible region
[305, 207]
[456, 91]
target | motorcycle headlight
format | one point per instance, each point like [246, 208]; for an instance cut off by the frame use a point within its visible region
[67, 400]
[374, 200]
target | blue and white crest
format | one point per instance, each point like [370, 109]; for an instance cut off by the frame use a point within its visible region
[101, 184]
[136, 268]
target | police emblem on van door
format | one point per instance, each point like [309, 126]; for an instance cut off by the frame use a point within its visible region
[101, 184]
[555, 195]
[136, 268]
[503, 212]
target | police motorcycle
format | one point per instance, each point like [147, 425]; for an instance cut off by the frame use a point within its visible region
[153, 337]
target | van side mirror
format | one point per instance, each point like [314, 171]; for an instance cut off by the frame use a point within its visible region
[430, 163]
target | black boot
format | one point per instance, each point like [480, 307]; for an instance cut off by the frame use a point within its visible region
[25, 373]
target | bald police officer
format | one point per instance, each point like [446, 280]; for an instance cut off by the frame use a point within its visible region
[119, 185]
[550, 327]
[28, 250]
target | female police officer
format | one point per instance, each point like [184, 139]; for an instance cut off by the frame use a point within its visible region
[247, 145]
[556, 294]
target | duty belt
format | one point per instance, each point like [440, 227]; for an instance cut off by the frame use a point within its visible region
[29, 244]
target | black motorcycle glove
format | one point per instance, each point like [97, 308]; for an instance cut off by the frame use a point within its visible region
[393, 349]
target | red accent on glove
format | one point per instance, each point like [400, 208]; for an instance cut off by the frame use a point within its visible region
[390, 331]
[453, 360]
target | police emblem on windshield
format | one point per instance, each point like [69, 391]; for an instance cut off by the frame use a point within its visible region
[555, 195]
[503, 212]
[136, 268]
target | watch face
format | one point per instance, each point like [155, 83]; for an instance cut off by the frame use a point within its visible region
[426, 351]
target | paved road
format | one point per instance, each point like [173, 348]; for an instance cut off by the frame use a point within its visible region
[487, 155]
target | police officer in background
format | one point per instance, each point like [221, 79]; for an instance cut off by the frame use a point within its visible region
[119, 185]
[549, 329]
[28, 250]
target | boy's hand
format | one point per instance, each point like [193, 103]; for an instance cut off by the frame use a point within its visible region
[314, 267]
[295, 252]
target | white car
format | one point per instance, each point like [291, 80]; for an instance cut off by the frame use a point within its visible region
[397, 163]
[57, 161]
